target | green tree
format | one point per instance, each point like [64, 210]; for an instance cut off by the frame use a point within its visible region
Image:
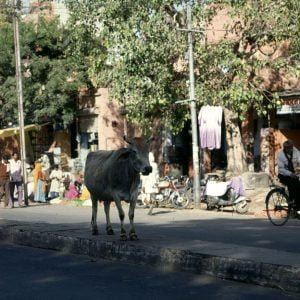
[258, 38]
[51, 80]
[4, 9]
[139, 47]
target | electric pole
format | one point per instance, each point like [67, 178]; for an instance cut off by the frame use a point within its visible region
[20, 97]
[196, 177]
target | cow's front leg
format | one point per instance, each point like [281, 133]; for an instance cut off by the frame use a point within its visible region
[109, 229]
[132, 234]
[123, 236]
[94, 216]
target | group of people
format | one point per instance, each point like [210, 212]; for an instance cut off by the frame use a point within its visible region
[44, 182]
[49, 183]
[41, 191]
[10, 180]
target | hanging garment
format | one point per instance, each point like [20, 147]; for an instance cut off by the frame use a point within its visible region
[237, 184]
[210, 122]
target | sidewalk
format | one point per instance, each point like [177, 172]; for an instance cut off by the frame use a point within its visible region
[223, 244]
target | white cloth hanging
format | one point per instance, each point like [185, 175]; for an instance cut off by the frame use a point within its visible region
[210, 122]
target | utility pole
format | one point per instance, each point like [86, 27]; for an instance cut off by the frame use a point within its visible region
[20, 97]
[196, 183]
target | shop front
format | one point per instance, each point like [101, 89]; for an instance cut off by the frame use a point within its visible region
[285, 124]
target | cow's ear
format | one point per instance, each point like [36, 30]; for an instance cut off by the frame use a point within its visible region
[124, 154]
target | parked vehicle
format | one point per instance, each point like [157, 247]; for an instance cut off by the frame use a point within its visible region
[217, 194]
[170, 192]
[181, 197]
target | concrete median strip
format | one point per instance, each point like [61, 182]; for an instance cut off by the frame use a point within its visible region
[284, 276]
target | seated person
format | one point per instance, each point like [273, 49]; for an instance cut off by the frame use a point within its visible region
[288, 161]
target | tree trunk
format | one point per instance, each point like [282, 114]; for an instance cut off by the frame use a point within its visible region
[236, 156]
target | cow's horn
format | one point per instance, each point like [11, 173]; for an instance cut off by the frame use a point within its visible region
[126, 140]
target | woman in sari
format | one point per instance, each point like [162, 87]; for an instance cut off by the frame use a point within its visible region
[39, 183]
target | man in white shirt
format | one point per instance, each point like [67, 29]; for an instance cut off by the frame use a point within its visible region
[288, 161]
[56, 176]
[16, 180]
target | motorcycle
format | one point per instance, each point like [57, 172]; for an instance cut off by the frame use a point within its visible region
[170, 192]
[217, 194]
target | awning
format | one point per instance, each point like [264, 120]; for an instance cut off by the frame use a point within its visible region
[7, 132]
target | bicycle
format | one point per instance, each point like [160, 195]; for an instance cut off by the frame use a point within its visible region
[279, 206]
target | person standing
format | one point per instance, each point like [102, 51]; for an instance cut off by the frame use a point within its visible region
[16, 180]
[4, 180]
[39, 183]
[56, 178]
[149, 182]
[288, 161]
[46, 173]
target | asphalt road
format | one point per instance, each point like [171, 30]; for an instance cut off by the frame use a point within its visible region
[182, 225]
[28, 273]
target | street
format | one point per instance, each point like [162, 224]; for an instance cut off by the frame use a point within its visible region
[170, 224]
[28, 273]
[223, 245]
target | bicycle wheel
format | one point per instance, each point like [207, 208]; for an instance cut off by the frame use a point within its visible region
[278, 207]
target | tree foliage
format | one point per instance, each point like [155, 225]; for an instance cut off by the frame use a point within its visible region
[137, 50]
[231, 76]
[138, 47]
[140, 54]
[50, 79]
[4, 11]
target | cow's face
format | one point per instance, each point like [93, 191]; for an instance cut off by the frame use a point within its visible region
[140, 155]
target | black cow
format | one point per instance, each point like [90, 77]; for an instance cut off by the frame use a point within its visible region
[115, 176]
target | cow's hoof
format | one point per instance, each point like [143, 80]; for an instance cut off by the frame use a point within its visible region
[133, 237]
[110, 231]
[123, 237]
[95, 232]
